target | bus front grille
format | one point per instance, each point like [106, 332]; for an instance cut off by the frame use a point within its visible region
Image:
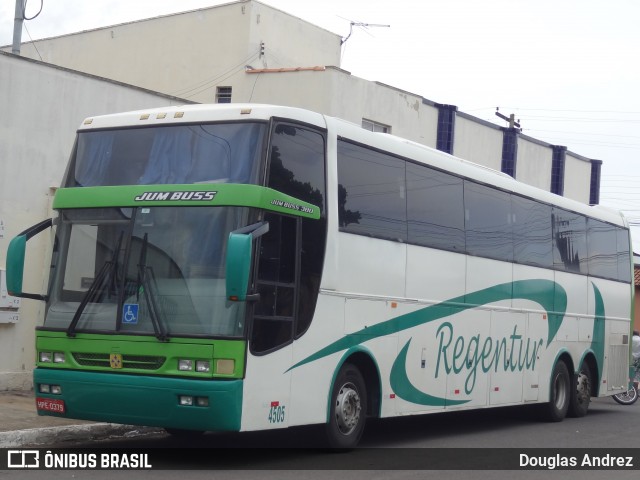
[138, 362]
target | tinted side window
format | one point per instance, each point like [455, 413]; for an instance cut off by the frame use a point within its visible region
[297, 163]
[488, 222]
[624, 255]
[532, 234]
[601, 246]
[297, 168]
[371, 193]
[435, 210]
[569, 241]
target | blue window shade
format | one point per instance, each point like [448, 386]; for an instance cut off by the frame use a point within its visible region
[509, 151]
[594, 192]
[446, 127]
[557, 169]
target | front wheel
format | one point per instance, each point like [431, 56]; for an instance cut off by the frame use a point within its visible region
[348, 410]
[627, 398]
[560, 394]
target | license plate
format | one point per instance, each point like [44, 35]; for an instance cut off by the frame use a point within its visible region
[50, 404]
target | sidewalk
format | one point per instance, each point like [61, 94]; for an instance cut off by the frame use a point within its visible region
[21, 426]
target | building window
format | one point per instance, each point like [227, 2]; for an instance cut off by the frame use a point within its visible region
[223, 95]
[375, 126]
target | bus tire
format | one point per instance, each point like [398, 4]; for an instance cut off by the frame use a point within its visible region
[559, 395]
[348, 410]
[581, 392]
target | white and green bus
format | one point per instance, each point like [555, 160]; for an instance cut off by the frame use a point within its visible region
[251, 267]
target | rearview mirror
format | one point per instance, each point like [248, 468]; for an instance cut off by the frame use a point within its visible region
[15, 260]
[239, 259]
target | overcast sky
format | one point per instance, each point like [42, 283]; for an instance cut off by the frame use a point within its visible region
[568, 69]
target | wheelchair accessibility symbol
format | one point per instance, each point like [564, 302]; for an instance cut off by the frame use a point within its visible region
[130, 314]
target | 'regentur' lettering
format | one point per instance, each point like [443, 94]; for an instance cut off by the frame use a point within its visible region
[459, 353]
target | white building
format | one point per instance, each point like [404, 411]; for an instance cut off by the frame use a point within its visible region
[246, 51]
[42, 108]
[243, 51]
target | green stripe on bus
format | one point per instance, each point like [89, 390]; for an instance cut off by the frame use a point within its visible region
[224, 194]
[550, 295]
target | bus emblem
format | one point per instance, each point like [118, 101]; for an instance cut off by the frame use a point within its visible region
[115, 360]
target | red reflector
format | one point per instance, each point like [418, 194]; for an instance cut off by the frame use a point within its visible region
[456, 392]
[393, 395]
[275, 404]
[496, 389]
[50, 405]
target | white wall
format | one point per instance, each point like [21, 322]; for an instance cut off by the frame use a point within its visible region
[42, 107]
[189, 54]
[339, 94]
[477, 142]
[577, 178]
[534, 164]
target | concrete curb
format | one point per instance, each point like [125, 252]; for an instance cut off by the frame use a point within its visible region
[35, 437]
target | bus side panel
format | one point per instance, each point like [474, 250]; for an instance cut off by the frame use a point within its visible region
[311, 382]
[267, 389]
[608, 304]
[434, 275]
[371, 266]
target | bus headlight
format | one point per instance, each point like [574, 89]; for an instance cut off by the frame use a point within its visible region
[46, 357]
[58, 357]
[203, 366]
[185, 364]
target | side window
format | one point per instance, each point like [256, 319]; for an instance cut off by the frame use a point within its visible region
[276, 284]
[601, 246]
[435, 210]
[371, 193]
[624, 255]
[532, 235]
[569, 241]
[488, 222]
[297, 168]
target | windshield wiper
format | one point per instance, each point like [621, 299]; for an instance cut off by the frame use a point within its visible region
[146, 283]
[96, 286]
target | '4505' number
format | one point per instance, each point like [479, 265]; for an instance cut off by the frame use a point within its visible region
[276, 414]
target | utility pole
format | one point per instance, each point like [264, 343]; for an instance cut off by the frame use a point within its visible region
[17, 27]
[511, 119]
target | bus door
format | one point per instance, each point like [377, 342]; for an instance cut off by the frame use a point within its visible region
[276, 281]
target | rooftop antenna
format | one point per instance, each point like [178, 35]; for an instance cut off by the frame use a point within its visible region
[359, 24]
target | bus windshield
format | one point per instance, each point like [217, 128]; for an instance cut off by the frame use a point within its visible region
[147, 270]
[205, 153]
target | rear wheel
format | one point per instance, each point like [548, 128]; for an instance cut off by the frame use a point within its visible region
[560, 394]
[581, 393]
[348, 409]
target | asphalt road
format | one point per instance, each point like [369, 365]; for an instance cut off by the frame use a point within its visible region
[396, 448]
